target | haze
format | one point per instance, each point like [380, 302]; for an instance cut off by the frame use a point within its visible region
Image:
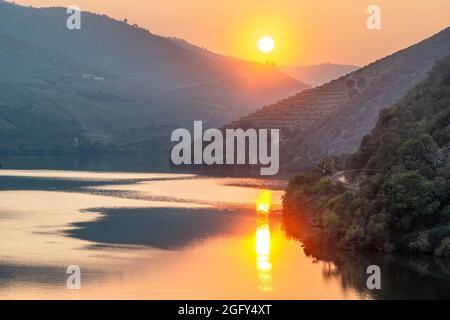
[305, 32]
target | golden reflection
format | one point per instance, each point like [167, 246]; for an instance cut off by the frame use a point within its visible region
[261, 259]
[263, 262]
[264, 202]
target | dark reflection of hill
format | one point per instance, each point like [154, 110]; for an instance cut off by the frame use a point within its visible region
[12, 274]
[52, 184]
[402, 276]
[163, 228]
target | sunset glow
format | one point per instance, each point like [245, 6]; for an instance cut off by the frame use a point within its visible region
[299, 39]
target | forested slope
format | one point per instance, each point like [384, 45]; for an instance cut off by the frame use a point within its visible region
[403, 173]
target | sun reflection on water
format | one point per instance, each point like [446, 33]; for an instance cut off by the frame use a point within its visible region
[264, 202]
[263, 261]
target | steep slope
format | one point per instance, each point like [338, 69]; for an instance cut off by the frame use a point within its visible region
[317, 75]
[333, 118]
[51, 103]
[403, 173]
[154, 61]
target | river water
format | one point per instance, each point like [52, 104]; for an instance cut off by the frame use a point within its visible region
[165, 235]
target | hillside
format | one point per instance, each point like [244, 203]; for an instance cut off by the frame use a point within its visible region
[51, 103]
[153, 61]
[317, 75]
[332, 119]
[396, 190]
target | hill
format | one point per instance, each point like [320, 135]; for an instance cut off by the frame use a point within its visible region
[51, 103]
[395, 194]
[332, 119]
[112, 86]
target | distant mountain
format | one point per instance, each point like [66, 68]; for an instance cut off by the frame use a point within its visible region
[311, 75]
[258, 76]
[332, 119]
[396, 189]
[154, 61]
[317, 75]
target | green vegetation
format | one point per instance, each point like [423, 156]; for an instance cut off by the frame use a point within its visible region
[400, 198]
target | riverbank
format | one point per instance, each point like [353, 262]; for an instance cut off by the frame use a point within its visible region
[400, 176]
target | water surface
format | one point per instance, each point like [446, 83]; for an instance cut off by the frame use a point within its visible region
[176, 236]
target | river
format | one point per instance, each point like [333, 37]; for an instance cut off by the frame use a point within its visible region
[138, 234]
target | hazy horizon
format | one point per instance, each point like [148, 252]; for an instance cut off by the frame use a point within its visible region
[301, 37]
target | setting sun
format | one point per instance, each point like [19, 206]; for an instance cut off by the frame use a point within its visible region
[266, 44]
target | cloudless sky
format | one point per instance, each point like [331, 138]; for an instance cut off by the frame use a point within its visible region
[305, 31]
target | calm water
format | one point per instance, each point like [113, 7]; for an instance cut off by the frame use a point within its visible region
[176, 236]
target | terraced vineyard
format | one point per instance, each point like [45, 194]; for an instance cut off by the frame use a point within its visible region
[333, 118]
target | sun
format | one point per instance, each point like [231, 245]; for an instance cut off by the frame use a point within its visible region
[266, 44]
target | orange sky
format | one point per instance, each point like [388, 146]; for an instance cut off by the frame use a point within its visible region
[305, 31]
